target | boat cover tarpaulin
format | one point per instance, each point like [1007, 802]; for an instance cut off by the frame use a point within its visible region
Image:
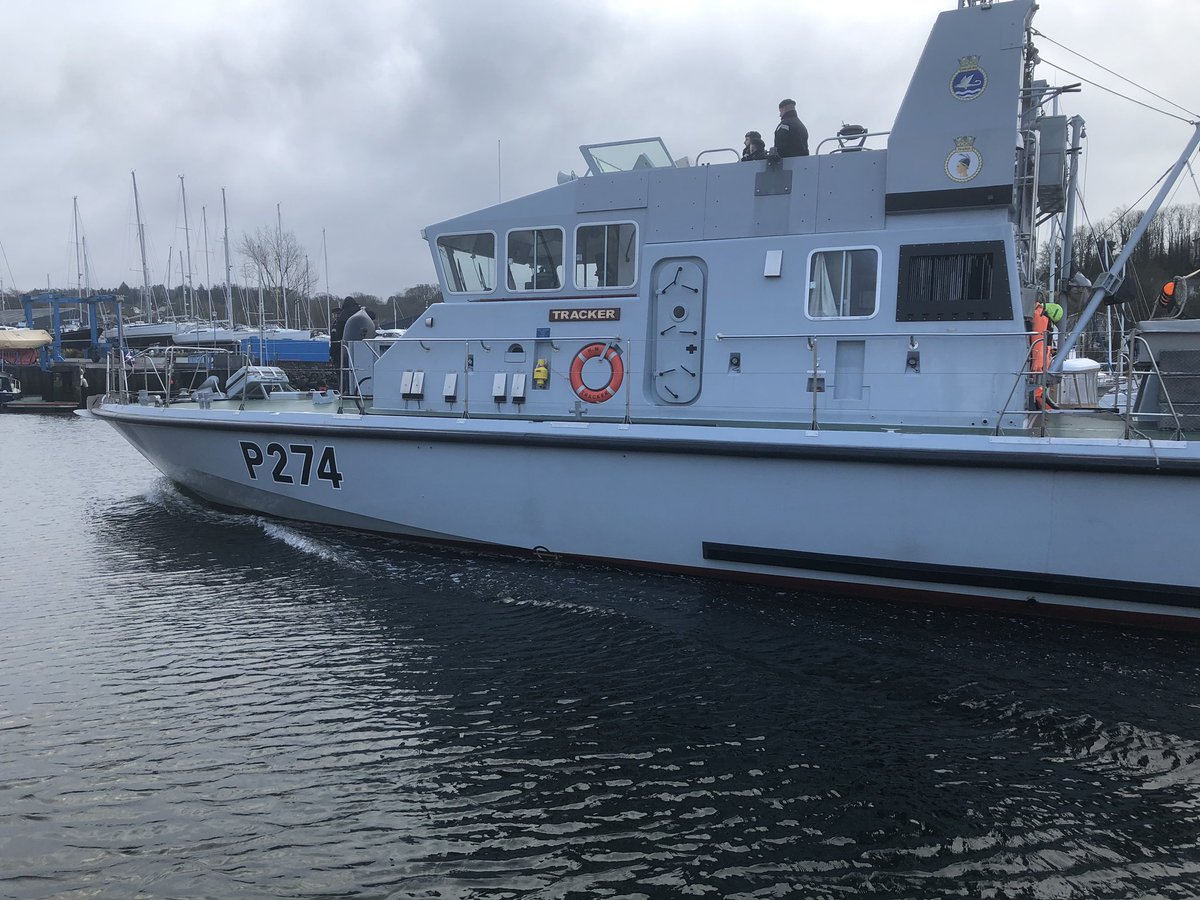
[23, 338]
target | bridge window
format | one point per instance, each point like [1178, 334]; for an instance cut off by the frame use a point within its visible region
[843, 284]
[468, 262]
[535, 259]
[945, 282]
[627, 156]
[606, 255]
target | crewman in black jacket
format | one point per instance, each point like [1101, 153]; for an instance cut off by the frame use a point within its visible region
[755, 148]
[751, 149]
[349, 307]
[791, 137]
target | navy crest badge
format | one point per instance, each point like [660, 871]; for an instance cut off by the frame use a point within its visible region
[970, 80]
[964, 161]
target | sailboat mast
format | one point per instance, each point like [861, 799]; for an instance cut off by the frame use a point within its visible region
[147, 297]
[187, 243]
[328, 297]
[212, 315]
[167, 282]
[228, 268]
[282, 287]
[262, 338]
[78, 259]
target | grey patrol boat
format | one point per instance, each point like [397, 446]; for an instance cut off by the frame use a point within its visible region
[815, 371]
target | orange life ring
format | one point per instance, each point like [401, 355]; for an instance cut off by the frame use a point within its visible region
[613, 356]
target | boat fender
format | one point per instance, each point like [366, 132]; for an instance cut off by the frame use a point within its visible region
[615, 378]
[1170, 299]
[1166, 297]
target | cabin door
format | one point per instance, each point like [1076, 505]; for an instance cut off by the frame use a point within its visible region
[678, 336]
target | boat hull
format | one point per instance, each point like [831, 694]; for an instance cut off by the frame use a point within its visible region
[1003, 522]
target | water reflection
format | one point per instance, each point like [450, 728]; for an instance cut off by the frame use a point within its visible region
[203, 703]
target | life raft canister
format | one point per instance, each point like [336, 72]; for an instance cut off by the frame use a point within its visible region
[615, 377]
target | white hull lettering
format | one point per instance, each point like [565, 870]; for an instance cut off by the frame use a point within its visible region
[602, 314]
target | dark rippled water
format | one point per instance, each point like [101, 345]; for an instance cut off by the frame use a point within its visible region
[196, 703]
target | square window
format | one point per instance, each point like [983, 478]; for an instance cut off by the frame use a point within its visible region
[843, 284]
[535, 259]
[605, 255]
[468, 262]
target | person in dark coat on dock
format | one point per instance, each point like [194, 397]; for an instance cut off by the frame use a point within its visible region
[349, 307]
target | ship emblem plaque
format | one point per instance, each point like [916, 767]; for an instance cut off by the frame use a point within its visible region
[969, 81]
[964, 161]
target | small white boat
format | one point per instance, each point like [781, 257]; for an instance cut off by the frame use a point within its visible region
[23, 338]
[10, 388]
[143, 334]
[224, 333]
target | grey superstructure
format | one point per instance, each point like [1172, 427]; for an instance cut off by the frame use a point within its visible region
[814, 370]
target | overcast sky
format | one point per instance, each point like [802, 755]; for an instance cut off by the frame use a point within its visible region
[370, 120]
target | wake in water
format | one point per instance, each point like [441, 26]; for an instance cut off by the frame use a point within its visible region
[164, 509]
[1141, 758]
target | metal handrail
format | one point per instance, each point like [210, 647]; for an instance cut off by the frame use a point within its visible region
[721, 336]
[854, 137]
[700, 155]
[484, 341]
[1162, 385]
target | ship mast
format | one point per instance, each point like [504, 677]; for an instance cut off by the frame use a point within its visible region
[1027, 172]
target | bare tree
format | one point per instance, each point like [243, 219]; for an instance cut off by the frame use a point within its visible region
[410, 303]
[275, 257]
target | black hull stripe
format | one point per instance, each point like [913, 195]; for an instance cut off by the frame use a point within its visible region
[1032, 583]
[972, 459]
